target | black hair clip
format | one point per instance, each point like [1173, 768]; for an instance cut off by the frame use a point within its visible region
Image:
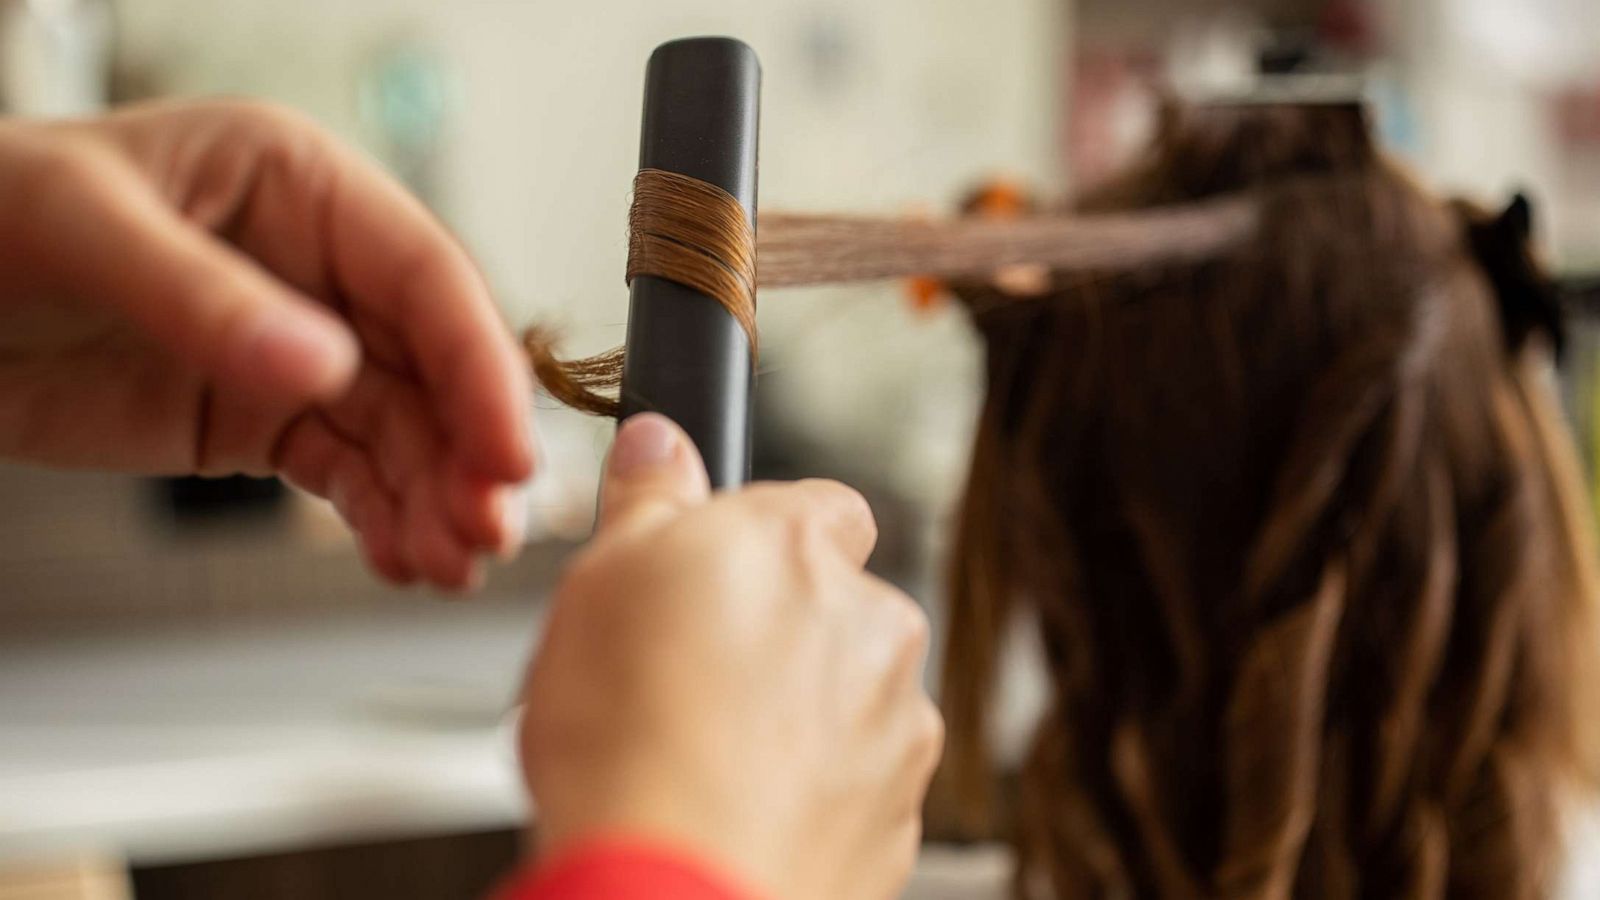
[1528, 298]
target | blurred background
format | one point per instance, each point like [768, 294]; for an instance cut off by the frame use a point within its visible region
[202, 694]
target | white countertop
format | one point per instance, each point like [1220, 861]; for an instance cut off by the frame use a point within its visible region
[193, 743]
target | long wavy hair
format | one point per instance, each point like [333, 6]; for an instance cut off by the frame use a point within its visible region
[1301, 533]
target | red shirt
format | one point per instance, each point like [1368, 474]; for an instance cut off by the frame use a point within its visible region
[623, 870]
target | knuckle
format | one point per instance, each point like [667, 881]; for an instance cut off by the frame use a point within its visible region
[909, 625]
[843, 493]
[286, 140]
[917, 632]
[52, 172]
[66, 164]
[844, 501]
[928, 744]
[807, 539]
[818, 517]
[264, 115]
[777, 516]
[859, 508]
[932, 725]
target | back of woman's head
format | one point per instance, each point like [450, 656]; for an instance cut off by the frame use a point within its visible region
[1301, 537]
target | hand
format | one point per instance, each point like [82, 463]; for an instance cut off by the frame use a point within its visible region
[721, 674]
[220, 287]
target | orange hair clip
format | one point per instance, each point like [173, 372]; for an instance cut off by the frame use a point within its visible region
[999, 198]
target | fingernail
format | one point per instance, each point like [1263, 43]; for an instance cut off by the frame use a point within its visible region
[528, 447]
[513, 515]
[644, 441]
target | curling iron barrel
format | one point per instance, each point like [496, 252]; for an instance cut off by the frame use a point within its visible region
[687, 356]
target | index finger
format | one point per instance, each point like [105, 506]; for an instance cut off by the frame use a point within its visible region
[398, 265]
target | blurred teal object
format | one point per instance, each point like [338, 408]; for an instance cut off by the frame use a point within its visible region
[1396, 117]
[406, 99]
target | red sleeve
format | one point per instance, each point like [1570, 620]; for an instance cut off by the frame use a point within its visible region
[622, 870]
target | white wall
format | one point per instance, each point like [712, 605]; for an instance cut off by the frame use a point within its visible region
[1481, 75]
[544, 145]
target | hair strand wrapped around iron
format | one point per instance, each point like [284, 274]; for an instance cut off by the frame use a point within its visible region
[696, 234]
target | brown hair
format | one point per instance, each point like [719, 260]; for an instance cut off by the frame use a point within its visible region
[696, 234]
[1302, 537]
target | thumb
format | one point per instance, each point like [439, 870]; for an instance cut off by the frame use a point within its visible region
[653, 473]
[208, 304]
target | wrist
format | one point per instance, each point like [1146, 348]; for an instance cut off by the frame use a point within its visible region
[622, 865]
[671, 809]
[738, 862]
